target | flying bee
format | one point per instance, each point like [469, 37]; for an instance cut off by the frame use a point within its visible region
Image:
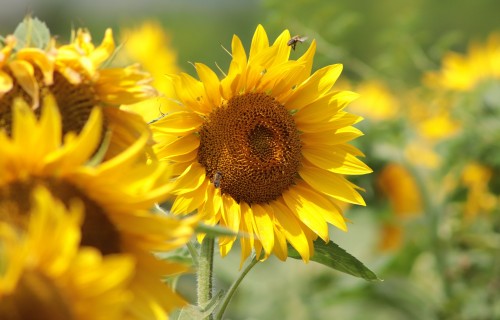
[217, 179]
[294, 40]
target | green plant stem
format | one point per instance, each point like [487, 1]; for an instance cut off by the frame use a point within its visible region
[193, 252]
[433, 212]
[205, 273]
[234, 286]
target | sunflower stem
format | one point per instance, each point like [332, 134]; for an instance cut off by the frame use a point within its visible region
[229, 295]
[205, 273]
[433, 211]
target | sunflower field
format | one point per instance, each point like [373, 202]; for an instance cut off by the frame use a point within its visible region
[248, 160]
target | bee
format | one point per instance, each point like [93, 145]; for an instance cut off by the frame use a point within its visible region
[217, 179]
[294, 40]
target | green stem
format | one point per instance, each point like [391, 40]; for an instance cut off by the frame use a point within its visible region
[194, 253]
[433, 212]
[234, 286]
[205, 273]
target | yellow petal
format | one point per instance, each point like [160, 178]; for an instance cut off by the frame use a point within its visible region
[178, 122]
[338, 121]
[6, 83]
[282, 49]
[280, 249]
[306, 211]
[191, 92]
[335, 160]
[211, 83]
[183, 145]
[190, 201]
[264, 227]
[104, 51]
[231, 213]
[322, 206]
[322, 108]
[292, 229]
[330, 138]
[316, 85]
[25, 76]
[331, 184]
[307, 59]
[246, 229]
[259, 42]
[42, 60]
[190, 180]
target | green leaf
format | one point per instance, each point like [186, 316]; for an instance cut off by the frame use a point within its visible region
[32, 33]
[333, 256]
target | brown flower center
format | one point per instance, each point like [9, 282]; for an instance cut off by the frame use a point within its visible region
[75, 101]
[97, 230]
[250, 148]
[35, 297]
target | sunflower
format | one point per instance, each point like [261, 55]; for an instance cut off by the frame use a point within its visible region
[376, 103]
[264, 150]
[150, 45]
[463, 72]
[75, 75]
[475, 178]
[45, 275]
[117, 195]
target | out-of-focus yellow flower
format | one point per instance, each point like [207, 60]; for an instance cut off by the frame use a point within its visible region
[262, 150]
[75, 75]
[400, 188]
[149, 44]
[375, 102]
[391, 236]
[117, 195]
[475, 178]
[463, 72]
[438, 127]
[431, 116]
[44, 274]
[420, 153]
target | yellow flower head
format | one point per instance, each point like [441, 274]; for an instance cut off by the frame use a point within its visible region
[75, 75]
[264, 150]
[149, 44]
[401, 190]
[376, 102]
[117, 195]
[464, 72]
[45, 275]
[476, 177]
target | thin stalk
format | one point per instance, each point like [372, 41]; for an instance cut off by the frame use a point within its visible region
[205, 273]
[234, 286]
[194, 253]
[433, 212]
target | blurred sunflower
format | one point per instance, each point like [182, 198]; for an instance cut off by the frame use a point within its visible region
[117, 195]
[45, 275]
[263, 150]
[464, 72]
[400, 188]
[376, 102]
[150, 45]
[75, 76]
[476, 177]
